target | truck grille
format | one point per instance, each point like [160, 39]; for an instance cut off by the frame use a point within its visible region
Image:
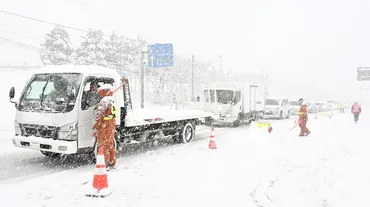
[38, 130]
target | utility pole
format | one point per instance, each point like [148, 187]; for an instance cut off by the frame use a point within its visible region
[192, 79]
[267, 86]
[122, 67]
[142, 78]
[220, 58]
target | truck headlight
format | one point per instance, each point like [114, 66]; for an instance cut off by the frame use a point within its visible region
[68, 132]
[17, 128]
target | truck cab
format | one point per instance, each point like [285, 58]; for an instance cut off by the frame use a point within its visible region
[56, 110]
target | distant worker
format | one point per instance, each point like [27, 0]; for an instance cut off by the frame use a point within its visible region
[341, 108]
[303, 118]
[105, 125]
[356, 111]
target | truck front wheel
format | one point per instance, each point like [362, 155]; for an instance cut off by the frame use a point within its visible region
[187, 133]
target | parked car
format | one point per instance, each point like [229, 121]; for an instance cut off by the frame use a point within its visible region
[322, 106]
[312, 108]
[333, 105]
[294, 108]
[276, 108]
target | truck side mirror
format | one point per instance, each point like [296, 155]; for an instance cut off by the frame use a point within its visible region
[11, 93]
[11, 96]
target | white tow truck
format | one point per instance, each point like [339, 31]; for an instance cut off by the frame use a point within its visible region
[65, 124]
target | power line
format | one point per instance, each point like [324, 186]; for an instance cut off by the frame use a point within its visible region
[20, 43]
[16, 33]
[43, 21]
[18, 28]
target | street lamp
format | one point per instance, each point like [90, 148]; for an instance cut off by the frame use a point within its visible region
[144, 51]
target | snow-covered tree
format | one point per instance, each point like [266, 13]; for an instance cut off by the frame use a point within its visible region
[57, 49]
[113, 50]
[131, 51]
[92, 49]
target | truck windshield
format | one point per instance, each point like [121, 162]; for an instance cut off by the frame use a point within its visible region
[53, 93]
[271, 102]
[225, 96]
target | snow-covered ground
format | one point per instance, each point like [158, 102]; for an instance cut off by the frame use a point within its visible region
[250, 168]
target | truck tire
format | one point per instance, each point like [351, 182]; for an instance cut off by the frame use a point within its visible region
[187, 133]
[50, 154]
[257, 116]
[208, 121]
[281, 115]
[236, 123]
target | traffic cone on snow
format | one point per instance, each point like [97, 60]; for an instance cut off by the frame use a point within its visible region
[100, 181]
[212, 142]
[270, 129]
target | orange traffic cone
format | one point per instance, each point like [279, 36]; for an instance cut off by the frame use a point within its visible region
[100, 181]
[270, 129]
[212, 142]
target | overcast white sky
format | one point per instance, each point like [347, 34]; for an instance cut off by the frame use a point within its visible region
[310, 48]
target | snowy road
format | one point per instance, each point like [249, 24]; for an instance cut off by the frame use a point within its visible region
[250, 168]
[22, 164]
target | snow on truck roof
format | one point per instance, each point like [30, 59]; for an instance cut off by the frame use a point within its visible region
[83, 69]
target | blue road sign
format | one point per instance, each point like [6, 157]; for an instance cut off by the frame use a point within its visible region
[160, 55]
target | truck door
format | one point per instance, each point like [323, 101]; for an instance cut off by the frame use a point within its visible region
[253, 97]
[89, 101]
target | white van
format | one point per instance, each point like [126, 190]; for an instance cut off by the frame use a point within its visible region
[276, 108]
[294, 108]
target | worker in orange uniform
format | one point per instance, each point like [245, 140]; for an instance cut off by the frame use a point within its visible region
[303, 118]
[105, 125]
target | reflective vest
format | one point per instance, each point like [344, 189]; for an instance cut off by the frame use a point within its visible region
[112, 110]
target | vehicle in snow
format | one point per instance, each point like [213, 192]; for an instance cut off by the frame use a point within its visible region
[333, 105]
[294, 108]
[232, 102]
[276, 108]
[322, 106]
[311, 107]
[65, 125]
